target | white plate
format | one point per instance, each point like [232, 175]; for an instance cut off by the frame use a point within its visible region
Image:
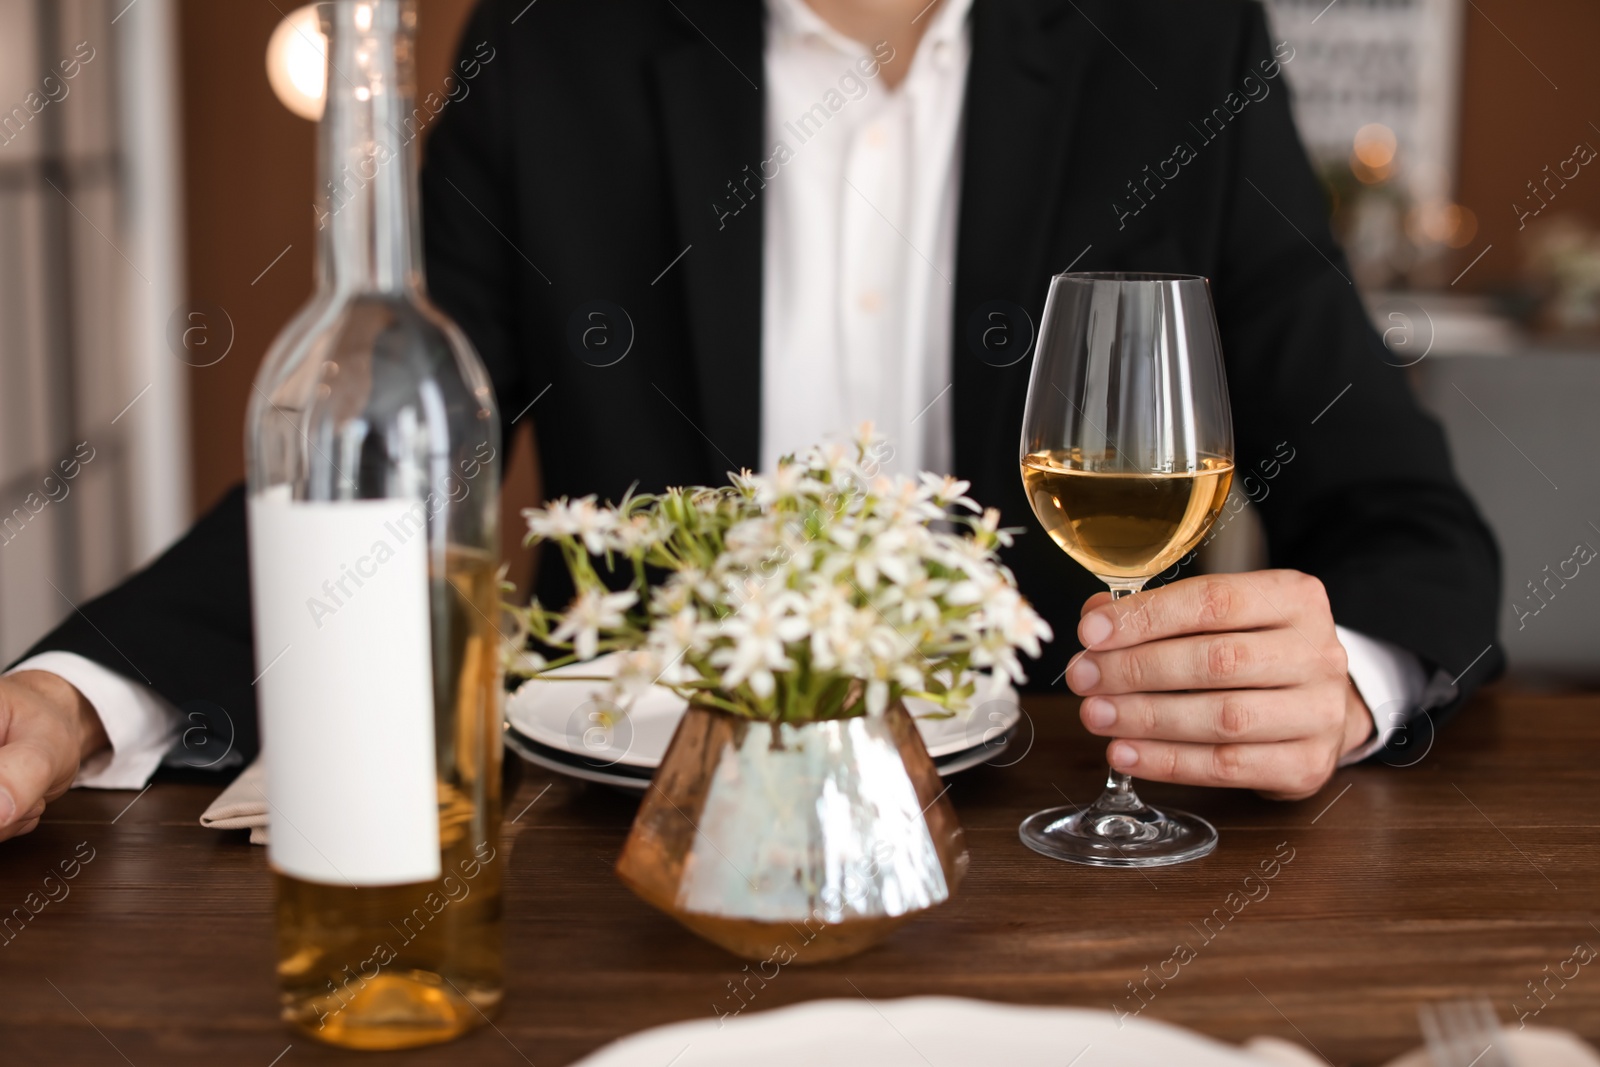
[637, 779]
[563, 715]
[927, 1032]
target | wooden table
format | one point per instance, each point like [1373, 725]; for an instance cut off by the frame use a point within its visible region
[1470, 873]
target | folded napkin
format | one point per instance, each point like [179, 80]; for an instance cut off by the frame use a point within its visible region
[243, 805]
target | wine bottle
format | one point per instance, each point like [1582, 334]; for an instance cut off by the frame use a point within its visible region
[371, 444]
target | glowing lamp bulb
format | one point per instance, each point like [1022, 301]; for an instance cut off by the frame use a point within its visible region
[1375, 145]
[297, 62]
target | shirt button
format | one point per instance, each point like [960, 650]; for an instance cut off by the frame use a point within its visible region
[871, 301]
[941, 54]
[875, 136]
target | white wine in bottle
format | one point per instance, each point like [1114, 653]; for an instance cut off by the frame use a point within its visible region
[373, 506]
[1121, 524]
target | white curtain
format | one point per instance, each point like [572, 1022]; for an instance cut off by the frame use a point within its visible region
[93, 443]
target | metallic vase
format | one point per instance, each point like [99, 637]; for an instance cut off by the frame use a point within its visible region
[794, 842]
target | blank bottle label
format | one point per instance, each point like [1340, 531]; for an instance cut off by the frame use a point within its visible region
[346, 689]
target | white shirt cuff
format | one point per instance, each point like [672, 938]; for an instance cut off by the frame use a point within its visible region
[1391, 681]
[142, 725]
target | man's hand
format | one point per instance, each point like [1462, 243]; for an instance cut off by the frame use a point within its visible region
[46, 729]
[1226, 680]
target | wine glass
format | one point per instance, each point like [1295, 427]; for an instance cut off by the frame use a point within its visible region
[1127, 457]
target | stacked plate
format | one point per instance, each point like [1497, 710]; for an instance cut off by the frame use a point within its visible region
[559, 722]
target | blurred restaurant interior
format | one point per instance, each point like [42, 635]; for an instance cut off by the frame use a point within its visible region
[156, 231]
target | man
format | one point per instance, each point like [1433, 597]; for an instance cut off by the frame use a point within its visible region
[793, 215]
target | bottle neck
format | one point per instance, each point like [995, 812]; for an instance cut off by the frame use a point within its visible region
[367, 158]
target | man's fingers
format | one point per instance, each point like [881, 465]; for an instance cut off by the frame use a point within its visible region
[1289, 770]
[1218, 717]
[18, 829]
[1100, 599]
[1265, 658]
[44, 731]
[26, 774]
[24, 824]
[1211, 604]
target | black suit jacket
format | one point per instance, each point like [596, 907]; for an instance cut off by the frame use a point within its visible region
[612, 152]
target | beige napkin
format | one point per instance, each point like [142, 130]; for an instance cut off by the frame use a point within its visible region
[243, 805]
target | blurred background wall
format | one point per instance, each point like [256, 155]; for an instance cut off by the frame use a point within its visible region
[1431, 121]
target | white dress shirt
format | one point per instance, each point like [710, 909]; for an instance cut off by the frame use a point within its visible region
[857, 303]
[859, 242]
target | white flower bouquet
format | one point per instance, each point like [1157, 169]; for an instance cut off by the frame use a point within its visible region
[824, 591]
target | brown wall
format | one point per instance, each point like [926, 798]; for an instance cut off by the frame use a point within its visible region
[1515, 119]
[248, 179]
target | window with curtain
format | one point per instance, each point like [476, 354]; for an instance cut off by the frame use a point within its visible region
[93, 479]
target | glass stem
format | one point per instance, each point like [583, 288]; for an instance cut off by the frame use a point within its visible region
[1119, 795]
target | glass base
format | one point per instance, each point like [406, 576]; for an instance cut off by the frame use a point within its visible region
[1143, 837]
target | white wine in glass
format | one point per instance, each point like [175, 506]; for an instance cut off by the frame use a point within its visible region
[1127, 458]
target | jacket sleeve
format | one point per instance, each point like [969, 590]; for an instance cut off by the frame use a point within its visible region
[182, 627]
[1352, 479]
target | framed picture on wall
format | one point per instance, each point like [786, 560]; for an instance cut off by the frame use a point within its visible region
[1376, 88]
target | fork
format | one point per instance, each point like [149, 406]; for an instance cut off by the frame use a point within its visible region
[1463, 1033]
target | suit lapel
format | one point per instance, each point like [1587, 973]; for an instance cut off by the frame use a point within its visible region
[1025, 85]
[1026, 81]
[712, 100]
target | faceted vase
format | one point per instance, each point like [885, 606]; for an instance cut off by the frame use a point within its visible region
[794, 842]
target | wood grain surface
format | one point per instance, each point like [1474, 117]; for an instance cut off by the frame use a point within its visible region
[1471, 873]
